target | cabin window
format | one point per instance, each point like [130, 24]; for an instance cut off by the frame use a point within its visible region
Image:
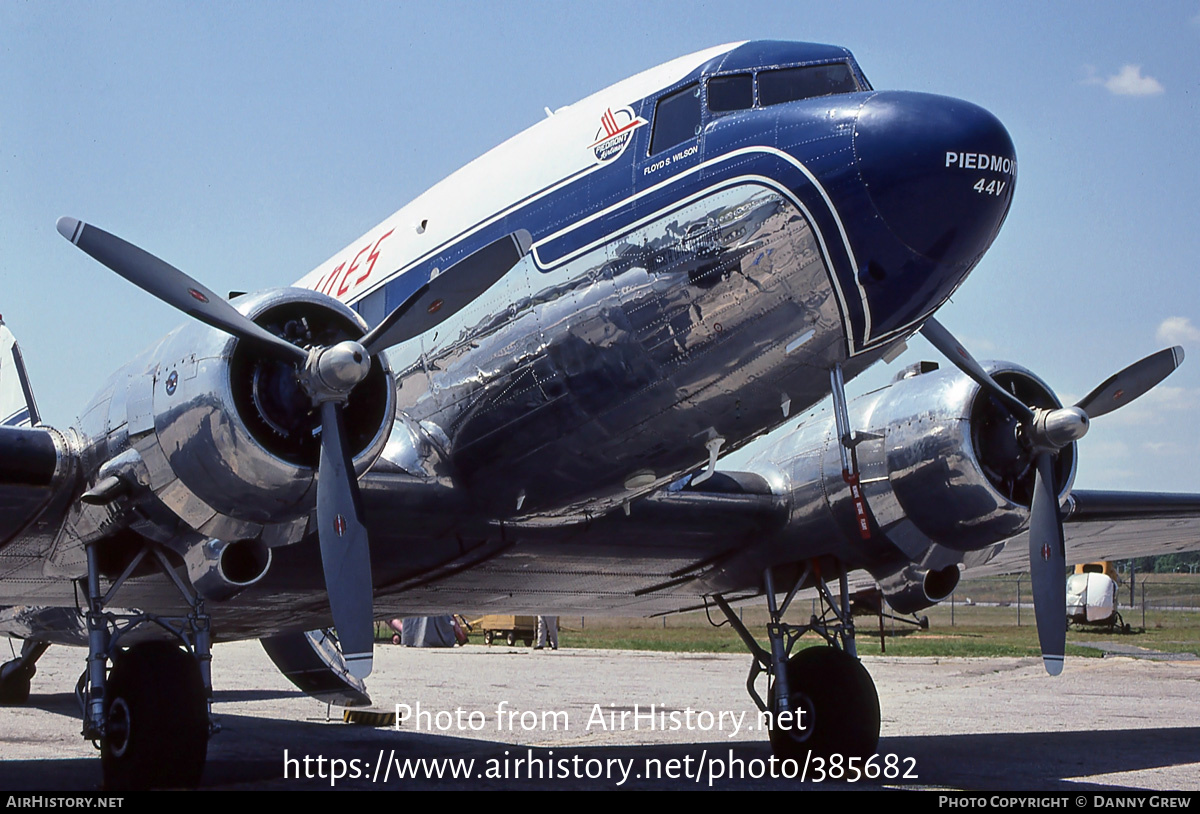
[676, 118]
[805, 82]
[734, 92]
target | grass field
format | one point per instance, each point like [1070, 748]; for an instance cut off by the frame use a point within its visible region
[986, 632]
[955, 628]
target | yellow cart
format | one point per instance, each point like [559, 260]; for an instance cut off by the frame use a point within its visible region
[509, 628]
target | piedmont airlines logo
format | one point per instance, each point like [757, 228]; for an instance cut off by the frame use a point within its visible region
[615, 133]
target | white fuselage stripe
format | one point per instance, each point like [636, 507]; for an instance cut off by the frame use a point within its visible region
[461, 236]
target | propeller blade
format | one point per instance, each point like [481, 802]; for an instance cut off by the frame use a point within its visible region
[172, 286]
[449, 292]
[1121, 388]
[1047, 567]
[953, 350]
[345, 553]
[1046, 432]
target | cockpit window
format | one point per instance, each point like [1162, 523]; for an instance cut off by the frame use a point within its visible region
[733, 92]
[676, 118]
[805, 82]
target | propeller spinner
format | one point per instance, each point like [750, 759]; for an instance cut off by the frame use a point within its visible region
[327, 374]
[1043, 433]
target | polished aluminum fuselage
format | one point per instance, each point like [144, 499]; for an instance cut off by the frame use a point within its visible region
[591, 383]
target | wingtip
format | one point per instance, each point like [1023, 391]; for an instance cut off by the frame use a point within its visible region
[69, 228]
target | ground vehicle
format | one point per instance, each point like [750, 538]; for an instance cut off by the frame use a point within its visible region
[1092, 596]
[509, 629]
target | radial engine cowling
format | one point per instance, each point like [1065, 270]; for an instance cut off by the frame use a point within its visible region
[941, 465]
[226, 436]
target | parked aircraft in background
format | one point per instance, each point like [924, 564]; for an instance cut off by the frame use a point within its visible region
[512, 396]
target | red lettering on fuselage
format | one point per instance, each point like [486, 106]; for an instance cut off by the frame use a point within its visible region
[373, 256]
[328, 289]
[343, 288]
[327, 285]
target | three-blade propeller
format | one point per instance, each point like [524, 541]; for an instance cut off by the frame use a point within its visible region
[1043, 432]
[328, 375]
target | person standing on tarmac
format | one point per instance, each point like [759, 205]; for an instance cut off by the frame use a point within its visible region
[547, 631]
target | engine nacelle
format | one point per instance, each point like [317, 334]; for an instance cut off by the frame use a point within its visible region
[225, 437]
[949, 465]
[940, 465]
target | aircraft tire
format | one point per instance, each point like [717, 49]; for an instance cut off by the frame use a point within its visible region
[157, 718]
[840, 702]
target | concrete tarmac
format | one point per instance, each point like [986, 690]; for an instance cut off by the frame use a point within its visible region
[972, 724]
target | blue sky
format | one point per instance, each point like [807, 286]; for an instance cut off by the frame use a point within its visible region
[248, 142]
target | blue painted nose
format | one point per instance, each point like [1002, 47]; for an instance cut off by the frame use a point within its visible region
[939, 171]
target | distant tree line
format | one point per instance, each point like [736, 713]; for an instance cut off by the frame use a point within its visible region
[1166, 564]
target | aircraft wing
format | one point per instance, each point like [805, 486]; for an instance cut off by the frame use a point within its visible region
[1107, 526]
[1098, 525]
[656, 559]
[679, 544]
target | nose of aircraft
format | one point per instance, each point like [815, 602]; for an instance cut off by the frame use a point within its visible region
[939, 171]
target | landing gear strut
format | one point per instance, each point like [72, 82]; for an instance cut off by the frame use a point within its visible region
[821, 698]
[151, 713]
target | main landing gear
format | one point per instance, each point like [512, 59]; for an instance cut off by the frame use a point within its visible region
[151, 713]
[821, 698]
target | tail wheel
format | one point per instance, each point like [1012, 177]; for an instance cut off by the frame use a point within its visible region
[156, 720]
[839, 702]
[14, 688]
